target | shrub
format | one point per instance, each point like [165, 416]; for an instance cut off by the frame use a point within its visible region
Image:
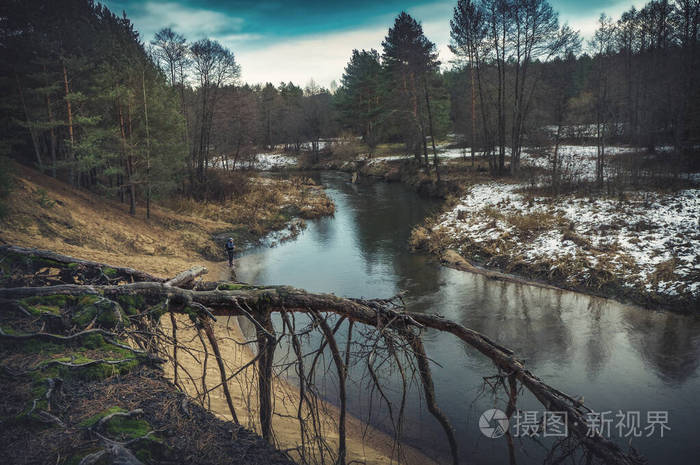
[419, 238]
[44, 199]
[665, 271]
[224, 185]
[577, 239]
[347, 148]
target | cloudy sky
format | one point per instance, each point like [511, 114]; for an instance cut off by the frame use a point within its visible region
[299, 40]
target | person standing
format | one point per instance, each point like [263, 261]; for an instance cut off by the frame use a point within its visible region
[230, 247]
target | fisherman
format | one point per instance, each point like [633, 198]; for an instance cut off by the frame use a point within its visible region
[230, 247]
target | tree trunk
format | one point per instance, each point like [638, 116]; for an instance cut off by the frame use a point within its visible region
[70, 124]
[473, 108]
[127, 161]
[148, 148]
[52, 130]
[32, 133]
[266, 351]
[555, 165]
[430, 126]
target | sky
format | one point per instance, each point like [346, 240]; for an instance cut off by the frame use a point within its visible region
[300, 40]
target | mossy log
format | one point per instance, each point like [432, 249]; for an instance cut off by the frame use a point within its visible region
[31, 260]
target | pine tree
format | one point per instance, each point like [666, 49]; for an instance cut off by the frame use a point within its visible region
[409, 59]
[360, 98]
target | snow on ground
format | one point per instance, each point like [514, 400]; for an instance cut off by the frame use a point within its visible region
[262, 161]
[650, 242]
[272, 161]
[443, 153]
[578, 159]
[578, 162]
[585, 130]
[322, 144]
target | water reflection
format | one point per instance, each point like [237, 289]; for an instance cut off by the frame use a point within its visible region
[668, 343]
[616, 356]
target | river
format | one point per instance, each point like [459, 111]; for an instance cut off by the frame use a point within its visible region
[619, 358]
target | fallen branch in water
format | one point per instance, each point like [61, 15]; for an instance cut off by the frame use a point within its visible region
[385, 316]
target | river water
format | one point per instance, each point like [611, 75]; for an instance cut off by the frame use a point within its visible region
[619, 358]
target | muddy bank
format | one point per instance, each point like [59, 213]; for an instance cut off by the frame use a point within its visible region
[539, 276]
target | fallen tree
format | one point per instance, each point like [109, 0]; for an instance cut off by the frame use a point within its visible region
[387, 321]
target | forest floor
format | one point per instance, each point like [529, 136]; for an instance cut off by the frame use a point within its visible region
[47, 214]
[181, 431]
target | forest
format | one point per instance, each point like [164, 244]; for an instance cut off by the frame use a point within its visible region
[89, 101]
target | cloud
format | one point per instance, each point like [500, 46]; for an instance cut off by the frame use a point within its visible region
[241, 37]
[587, 23]
[193, 23]
[323, 57]
[320, 57]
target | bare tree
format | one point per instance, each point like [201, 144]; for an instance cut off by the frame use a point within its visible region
[213, 67]
[602, 43]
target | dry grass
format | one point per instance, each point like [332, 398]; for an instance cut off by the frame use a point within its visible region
[265, 200]
[526, 224]
[665, 271]
[533, 222]
[573, 236]
[434, 241]
[48, 214]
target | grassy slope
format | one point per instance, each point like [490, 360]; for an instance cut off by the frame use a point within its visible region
[48, 214]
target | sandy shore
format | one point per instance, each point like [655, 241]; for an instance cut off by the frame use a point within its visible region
[365, 444]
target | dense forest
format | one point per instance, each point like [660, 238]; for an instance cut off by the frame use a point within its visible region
[88, 100]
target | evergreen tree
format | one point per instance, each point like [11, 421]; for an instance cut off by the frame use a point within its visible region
[78, 104]
[409, 59]
[360, 98]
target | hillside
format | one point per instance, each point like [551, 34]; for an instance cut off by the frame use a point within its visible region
[48, 214]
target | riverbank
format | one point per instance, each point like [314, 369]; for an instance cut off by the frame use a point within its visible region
[643, 247]
[47, 214]
[637, 245]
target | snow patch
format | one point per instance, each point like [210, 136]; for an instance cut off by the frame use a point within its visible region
[650, 241]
